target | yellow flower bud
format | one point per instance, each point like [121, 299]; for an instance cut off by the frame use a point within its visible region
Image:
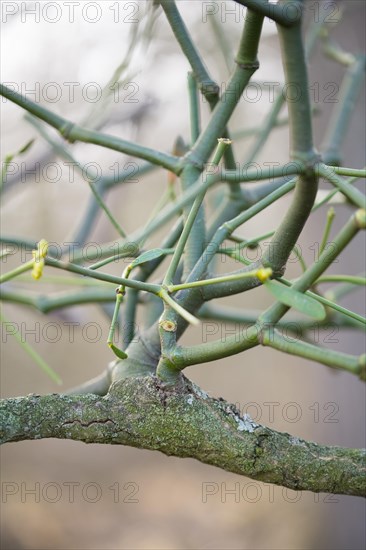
[39, 255]
[264, 274]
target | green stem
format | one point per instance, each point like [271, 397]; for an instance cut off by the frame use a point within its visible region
[244, 175]
[187, 229]
[287, 18]
[46, 304]
[92, 210]
[178, 308]
[352, 193]
[353, 279]
[212, 351]
[333, 51]
[356, 222]
[145, 271]
[246, 65]
[206, 282]
[106, 261]
[194, 108]
[328, 357]
[341, 116]
[294, 322]
[73, 132]
[114, 322]
[107, 211]
[73, 268]
[17, 271]
[32, 353]
[194, 231]
[352, 172]
[301, 149]
[330, 196]
[328, 226]
[208, 87]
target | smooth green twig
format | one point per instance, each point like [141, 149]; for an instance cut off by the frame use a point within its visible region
[222, 144]
[301, 148]
[246, 173]
[28, 266]
[352, 172]
[341, 116]
[328, 226]
[74, 268]
[72, 132]
[326, 356]
[46, 304]
[352, 193]
[207, 86]
[110, 341]
[261, 274]
[246, 65]
[353, 279]
[178, 308]
[14, 330]
[8, 159]
[287, 18]
[194, 108]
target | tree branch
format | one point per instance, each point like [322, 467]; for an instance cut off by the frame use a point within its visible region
[276, 12]
[183, 421]
[72, 132]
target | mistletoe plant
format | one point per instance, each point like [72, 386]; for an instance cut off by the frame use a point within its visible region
[142, 399]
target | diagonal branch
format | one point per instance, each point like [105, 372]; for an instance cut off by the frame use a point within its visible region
[276, 12]
[185, 422]
[72, 132]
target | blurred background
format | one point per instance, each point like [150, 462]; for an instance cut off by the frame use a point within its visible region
[64, 494]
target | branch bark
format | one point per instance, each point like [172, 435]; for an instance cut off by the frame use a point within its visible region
[184, 421]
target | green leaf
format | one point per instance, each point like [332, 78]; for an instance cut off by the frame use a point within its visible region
[149, 255]
[26, 147]
[8, 159]
[118, 352]
[295, 299]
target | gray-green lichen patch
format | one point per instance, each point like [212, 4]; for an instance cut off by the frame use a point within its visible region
[246, 424]
[189, 399]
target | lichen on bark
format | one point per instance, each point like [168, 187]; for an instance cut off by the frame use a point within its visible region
[184, 421]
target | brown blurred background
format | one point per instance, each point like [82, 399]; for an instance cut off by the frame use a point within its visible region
[100, 497]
